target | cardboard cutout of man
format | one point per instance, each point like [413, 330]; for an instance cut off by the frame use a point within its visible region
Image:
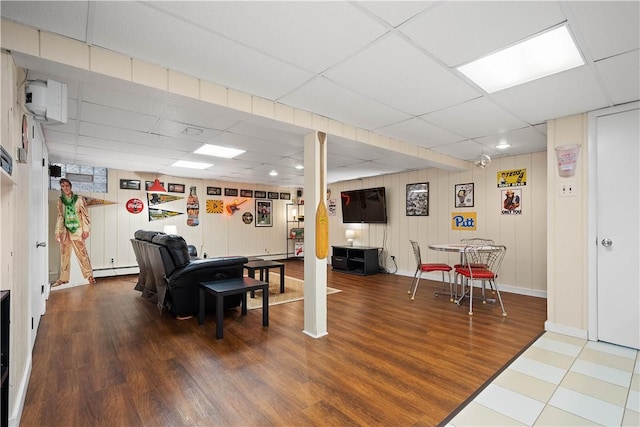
[72, 229]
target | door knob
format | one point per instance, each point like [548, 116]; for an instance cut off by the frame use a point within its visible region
[41, 244]
[607, 242]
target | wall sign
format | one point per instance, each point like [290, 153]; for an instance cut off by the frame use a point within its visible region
[215, 206]
[511, 201]
[247, 217]
[135, 206]
[512, 178]
[464, 221]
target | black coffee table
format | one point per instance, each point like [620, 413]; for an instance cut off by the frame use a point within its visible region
[263, 266]
[222, 288]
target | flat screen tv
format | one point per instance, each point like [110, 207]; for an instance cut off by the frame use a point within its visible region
[364, 206]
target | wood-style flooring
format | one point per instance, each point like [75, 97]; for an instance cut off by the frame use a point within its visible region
[106, 357]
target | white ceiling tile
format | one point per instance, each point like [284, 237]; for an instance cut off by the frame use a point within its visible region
[124, 149]
[608, 27]
[475, 118]
[289, 136]
[457, 32]
[621, 76]
[109, 133]
[68, 18]
[290, 162]
[242, 142]
[313, 35]
[275, 49]
[570, 92]
[466, 150]
[69, 128]
[180, 145]
[110, 116]
[330, 100]
[417, 131]
[395, 12]
[196, 51]
[526, 140]
[404, 78]
[178, 130]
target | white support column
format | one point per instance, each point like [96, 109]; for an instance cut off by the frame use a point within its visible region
[315, 270]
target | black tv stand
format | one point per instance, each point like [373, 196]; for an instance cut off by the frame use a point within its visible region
[361, 260]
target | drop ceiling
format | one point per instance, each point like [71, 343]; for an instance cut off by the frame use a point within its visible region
[387, 67]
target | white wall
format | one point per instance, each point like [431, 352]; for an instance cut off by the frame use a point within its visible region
[524, 268]
[567, 275]
[14, 239]
[112, 226]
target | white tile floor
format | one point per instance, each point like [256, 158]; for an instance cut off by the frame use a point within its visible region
[561, 381]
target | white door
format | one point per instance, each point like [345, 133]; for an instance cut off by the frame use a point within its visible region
[38, 228]
[618, 233]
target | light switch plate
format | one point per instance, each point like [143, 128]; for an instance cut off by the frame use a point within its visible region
[567, 189]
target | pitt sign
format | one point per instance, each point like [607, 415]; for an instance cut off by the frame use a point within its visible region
[463, 221]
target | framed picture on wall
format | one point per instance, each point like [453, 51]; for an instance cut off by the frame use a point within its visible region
[417, 201]
[175, 188]
[274, 195]
[214, 191]
[285, 196]
[463, 195]
[246, 193]
[231, 192]
[130, 184]
[260, 194]
[264, 213]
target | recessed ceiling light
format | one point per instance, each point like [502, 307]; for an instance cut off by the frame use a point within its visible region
[273, 173]
[540, 56]
[191, 165]
[299, 167]
[217, 151]
[503, 145]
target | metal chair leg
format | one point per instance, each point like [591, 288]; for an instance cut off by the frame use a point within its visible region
[413, 282]
[413, 296]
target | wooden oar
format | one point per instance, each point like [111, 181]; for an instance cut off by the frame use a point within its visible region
[322, 217]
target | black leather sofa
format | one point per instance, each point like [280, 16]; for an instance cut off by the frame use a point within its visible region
[169, 276]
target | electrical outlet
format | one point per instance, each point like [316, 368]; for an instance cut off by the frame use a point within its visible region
[567, 190]
[112, 260]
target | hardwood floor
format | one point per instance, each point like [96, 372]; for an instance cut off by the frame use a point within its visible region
[106, 357]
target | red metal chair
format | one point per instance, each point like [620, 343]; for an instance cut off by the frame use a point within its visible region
[480, 260]
[492, 255]
[428, 267]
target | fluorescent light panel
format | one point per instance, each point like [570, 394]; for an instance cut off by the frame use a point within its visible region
[218, 151]
[546, 54]
[191, 165]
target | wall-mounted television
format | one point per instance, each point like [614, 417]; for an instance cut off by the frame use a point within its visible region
[364, 206]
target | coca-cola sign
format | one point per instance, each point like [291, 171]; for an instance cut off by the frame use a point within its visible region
[135, 206]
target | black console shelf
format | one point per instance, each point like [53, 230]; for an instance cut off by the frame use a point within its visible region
[361, 260]
[4, 357]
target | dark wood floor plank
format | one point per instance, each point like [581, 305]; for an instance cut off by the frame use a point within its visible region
[104, 356]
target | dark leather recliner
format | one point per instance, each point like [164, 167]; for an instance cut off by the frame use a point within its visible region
[146, 281]
[176, 275]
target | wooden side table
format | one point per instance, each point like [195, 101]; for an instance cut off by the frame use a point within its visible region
[222, 288]
[262, 267]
